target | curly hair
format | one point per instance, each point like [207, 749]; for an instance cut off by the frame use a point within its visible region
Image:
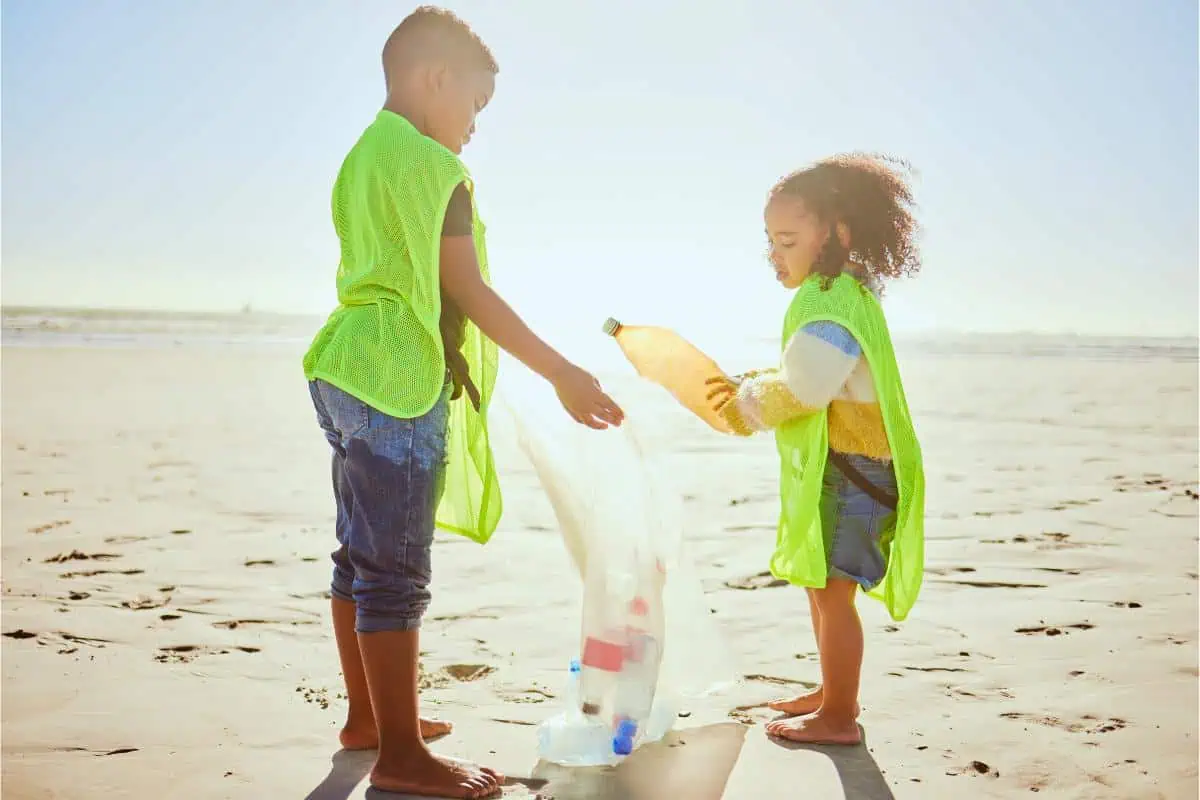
[430, 31]
[871, 196]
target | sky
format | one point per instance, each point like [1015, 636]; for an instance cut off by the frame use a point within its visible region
[181, 155]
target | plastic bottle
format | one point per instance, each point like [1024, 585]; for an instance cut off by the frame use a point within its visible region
[666, 358]
[572, 700]
[572, 739]
[604, 636]
[637, 682]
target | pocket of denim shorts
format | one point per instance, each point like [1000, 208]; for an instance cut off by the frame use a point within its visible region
[350, 415]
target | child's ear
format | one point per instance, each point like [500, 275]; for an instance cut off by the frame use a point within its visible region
[435, 77]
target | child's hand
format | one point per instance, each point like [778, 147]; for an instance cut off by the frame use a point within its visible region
[722, 395]
[582, 397]
[722, 390]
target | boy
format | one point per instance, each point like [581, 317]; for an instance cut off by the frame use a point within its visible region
[416, 325]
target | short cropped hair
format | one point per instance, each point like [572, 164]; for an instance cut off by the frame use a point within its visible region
[430, 33]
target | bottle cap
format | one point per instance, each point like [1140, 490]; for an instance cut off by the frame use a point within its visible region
[611, 326]
[575, 666]
[622, 742]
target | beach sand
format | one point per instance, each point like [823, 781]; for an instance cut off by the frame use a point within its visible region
[167, 521]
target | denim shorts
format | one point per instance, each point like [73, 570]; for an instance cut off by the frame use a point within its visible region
[388, 476]
[857, 527]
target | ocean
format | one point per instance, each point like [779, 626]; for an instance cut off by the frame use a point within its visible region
[51, 327]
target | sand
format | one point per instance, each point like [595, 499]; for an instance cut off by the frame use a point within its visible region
[167, 522]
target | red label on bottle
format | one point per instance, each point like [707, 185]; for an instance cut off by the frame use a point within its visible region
[599, 654]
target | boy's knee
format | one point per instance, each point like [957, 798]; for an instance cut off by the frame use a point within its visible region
[396, 607]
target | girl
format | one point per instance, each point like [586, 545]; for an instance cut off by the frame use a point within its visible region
[851, 480]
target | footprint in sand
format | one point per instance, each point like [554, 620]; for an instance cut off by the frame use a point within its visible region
[20, 634]
[78, 555]
[144, 602]
[760, 580]
[91, 573]
[1047, 541]
[320, 594]
[466, 615]
[976, 693]
[1055, 630]
[777, 681]
[526, 696]
[454, 672]
[976, 768]
[1064, 505]
[753, 714]
[234, 624]
[468, 672]
[1151, 482]
[117, 752]
[186, 653]
[49, 526]
[61, 638]
[981, 584]
[1086, 723]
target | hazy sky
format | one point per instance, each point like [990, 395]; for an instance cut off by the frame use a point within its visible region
[181, 154]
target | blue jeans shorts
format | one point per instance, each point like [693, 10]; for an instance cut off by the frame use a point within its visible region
[388, 476]
[857, 528]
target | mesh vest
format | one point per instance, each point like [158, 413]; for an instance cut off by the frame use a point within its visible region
[382, 343]
[803, 444]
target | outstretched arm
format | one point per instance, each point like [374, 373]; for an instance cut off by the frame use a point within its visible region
[578, 391]
[816, 364]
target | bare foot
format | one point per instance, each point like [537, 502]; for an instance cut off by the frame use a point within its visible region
[803, 704]
[817, 729]
[799, 705]
[428, 775]
[366, 737]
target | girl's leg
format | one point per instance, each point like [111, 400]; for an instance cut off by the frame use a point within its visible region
[841, 649]
[808, 702]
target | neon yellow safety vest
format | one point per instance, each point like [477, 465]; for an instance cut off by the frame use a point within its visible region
[382, 343]
[803, 444]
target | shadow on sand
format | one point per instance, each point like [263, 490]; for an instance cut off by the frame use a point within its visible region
[347, 770]
[860, 776]
[693, 764]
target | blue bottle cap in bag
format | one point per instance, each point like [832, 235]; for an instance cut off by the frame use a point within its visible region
[623, 740]
[575, 666]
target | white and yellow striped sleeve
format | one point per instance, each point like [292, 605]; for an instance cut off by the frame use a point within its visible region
[816, 363]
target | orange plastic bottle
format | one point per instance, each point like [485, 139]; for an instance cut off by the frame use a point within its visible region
[664, 357]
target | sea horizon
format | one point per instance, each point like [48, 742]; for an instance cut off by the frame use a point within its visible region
[49, 326]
